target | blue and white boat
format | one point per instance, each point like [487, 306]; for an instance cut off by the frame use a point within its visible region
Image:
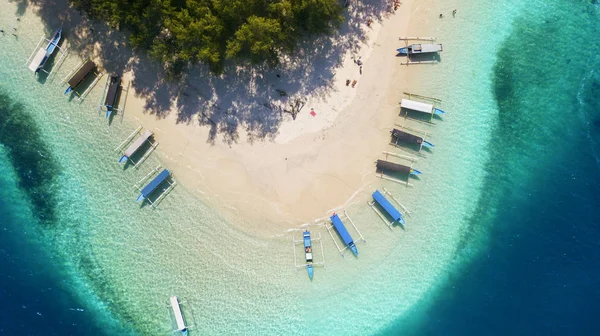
[308, 253]
[44, 54]
[150, 187]
[344, 234]
[421, 48]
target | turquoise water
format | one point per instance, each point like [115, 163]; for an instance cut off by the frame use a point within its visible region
[120, 263]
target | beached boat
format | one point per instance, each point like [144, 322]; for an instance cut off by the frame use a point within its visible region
[344, 234]
[111, 94]
[150, 187]
[420, 107]
[80, 75]
[391, 166]
[421, 48]
[410, 138]
[44, 54]
[178, 316]
[308, 253]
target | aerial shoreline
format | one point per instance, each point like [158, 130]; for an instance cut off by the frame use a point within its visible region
[312, 165]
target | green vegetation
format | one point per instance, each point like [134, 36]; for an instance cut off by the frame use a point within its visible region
[182, 32]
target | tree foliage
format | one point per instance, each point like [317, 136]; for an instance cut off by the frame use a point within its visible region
[182, 32]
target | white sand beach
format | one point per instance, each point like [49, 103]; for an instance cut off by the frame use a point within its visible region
[309, 166]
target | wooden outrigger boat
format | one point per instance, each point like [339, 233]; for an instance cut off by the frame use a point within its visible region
[307, 242]
[135, 146]
[343, 232]
[150, 187]
[43, 54]
[181, 327]
[421, 48]
[420, 107]
[410, 138]
[308, 253]
[395, 167]
[80, 75]
[111, 94]
[390, 210]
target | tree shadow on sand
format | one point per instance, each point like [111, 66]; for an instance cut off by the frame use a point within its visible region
[245, 98]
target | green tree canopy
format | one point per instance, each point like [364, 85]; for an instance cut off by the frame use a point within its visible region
[182, 32]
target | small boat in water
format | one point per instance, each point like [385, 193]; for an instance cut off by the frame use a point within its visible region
[308, 253]
[395, 167]
[417, 49]
[44, 54]
[344, 234]
[112, 93]
[178, 316]
[150, 187]
[80, 75]
[410, 138]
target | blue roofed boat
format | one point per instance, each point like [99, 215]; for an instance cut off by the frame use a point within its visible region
[44, 54]
[150, 187]
[308, 253]
[388, 207]
[343, 232]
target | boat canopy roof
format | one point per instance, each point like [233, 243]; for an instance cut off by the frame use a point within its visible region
[160, 178]
[137, 143]
[427, 47]
[177, 312]
[306, 236]
[416, 106]
[387, 206]
[386, 165]
[406, 137]
[341, 229]
[80, 75]
[111, 95]
[37, 60]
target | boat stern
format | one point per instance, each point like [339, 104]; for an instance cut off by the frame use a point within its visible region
[415, 172]
[353, 249]
[402, 51]
[402, 221]
[438, 111]
[123, 158]
[140, 198]
[428, 144]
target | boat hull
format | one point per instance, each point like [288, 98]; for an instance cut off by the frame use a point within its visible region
[310, 271]
[428, 144]
[415, 172]
[123, 158]
[68, 90]
[353, 249]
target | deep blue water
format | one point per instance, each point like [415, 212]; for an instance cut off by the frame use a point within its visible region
[538, 271]
[33, 294]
